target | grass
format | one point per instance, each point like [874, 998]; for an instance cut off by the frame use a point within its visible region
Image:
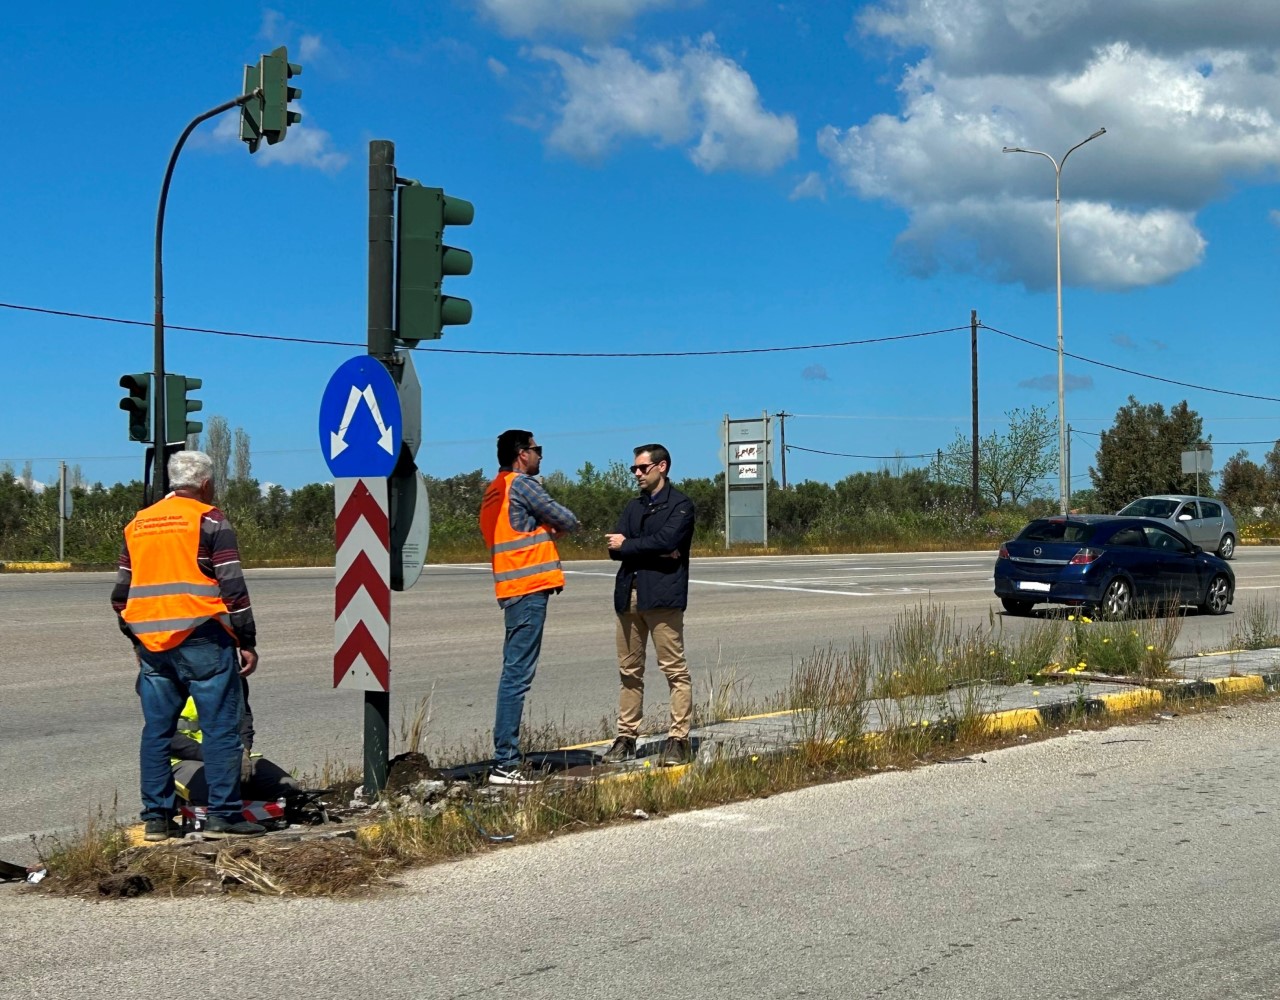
[1257, 624]
[932, 670]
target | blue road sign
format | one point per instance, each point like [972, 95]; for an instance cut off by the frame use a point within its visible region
[360, 424]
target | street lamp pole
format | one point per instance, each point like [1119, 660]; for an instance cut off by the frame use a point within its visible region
[1064, 472]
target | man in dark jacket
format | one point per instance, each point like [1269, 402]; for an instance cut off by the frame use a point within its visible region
[652, 542]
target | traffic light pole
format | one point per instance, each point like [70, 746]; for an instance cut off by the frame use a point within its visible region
[159, 412]
[382, 345]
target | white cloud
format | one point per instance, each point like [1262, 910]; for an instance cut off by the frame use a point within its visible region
[273, 24]
[311, 47]
[815, 373]
[498, 69]
[1049, 383]
[303, 146]
[1274, 216]
[810, 186]
[596, 20]
[1190, 99]
[697, 96]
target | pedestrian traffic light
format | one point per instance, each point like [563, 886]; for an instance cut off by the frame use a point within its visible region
[274, 73]
[177, 426]
[138, 405]
[251, 110]
[423, 261]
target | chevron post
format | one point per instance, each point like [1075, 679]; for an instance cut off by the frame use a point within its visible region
[362, 595]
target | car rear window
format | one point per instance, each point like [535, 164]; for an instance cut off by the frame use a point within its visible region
[1209, 509]
[1055, 530]
[1151, 507]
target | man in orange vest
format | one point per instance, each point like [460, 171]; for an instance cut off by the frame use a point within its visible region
[520, 523]
[182, 601]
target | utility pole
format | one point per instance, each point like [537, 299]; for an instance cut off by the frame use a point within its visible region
[782, 429]
[973, 350]
[63, 510]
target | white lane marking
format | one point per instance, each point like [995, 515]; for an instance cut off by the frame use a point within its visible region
[748, 586]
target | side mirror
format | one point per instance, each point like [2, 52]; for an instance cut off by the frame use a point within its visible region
[1184, 517]
[1196, 550]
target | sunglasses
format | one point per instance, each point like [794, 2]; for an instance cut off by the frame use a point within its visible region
[535, 448]
[642, 469]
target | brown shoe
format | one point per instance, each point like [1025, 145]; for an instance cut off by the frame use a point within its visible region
[675, 751]
[624, 748]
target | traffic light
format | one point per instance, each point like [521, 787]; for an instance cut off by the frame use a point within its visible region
[138, 405]
[274, 72]
[423, 261]
[177, 426]
[251, 110]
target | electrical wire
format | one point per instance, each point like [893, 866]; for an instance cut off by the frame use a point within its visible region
[1130, 371]
[499, 354]
[845, 454]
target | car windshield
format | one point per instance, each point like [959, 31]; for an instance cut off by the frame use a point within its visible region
[1151, 507]
[1055, 530]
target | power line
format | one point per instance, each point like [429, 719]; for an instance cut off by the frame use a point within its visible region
[500, 354]
[1130, 371]
[845, 454]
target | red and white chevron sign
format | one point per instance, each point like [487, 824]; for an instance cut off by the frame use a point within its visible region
[362, 597]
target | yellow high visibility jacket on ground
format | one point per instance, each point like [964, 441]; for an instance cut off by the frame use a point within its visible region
[169, 595]
[524, 562]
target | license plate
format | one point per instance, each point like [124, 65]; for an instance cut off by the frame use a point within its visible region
[1033, 585]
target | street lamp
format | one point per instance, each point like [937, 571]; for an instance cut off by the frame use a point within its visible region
[1064, 473]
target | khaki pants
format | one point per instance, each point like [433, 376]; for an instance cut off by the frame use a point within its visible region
[666, 625]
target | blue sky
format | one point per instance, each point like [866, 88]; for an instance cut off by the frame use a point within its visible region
[654, 176]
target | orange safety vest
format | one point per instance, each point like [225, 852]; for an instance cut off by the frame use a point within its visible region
[524, 562]
[169, 595]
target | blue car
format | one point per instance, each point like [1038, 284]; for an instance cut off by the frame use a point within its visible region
[1109, 564]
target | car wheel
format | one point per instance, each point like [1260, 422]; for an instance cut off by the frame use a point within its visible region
[1228, 546]
[1117, 599]
[1218, 596]
[1015, 607]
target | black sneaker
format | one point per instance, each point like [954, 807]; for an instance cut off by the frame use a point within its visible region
[624, 748]
[156, 830]
[511, 776]
[675, 751]
[218, 827]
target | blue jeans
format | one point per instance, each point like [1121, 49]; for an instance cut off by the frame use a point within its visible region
[524, 620]
[205, 668]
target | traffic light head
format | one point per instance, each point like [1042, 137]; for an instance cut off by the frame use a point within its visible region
[138, 405]
[251, 109]
[177, 426]
[275, 71]
[423, 261]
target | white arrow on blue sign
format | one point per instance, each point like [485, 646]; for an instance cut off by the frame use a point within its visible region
[360, 422]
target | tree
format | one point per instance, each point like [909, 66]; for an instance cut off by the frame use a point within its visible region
[1013, 466]
[241, 465]
[1142, 453]
[1244, 483]
[217, 443]
[1272, 461]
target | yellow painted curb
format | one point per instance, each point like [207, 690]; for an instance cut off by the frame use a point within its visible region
[1015, 720]
[1131, 701]
[34, 567]
[1248, 684]
[646, 772]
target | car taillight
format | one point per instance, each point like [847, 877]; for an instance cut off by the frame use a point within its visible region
[1004, 552]
[1085, 556]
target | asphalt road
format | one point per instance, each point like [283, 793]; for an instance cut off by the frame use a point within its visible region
[1132, 864]
[69, 718]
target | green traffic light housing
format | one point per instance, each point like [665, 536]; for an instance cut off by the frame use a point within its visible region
[423, 261]
[251, 109]
[177, 427]
[138, 405]
[275, 71]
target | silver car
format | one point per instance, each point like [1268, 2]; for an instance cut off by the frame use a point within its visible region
[1206, 522]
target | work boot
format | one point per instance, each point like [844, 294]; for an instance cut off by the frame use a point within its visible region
[624, 748]
[156, 830]
[675, 751]
[219, 827]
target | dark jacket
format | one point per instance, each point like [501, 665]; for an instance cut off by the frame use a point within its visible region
[653, 531]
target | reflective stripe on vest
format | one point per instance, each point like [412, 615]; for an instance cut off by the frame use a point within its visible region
[524, 562]
[169, 596]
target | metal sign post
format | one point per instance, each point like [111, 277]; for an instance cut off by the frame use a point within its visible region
[1198, 462]
[747, 470]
